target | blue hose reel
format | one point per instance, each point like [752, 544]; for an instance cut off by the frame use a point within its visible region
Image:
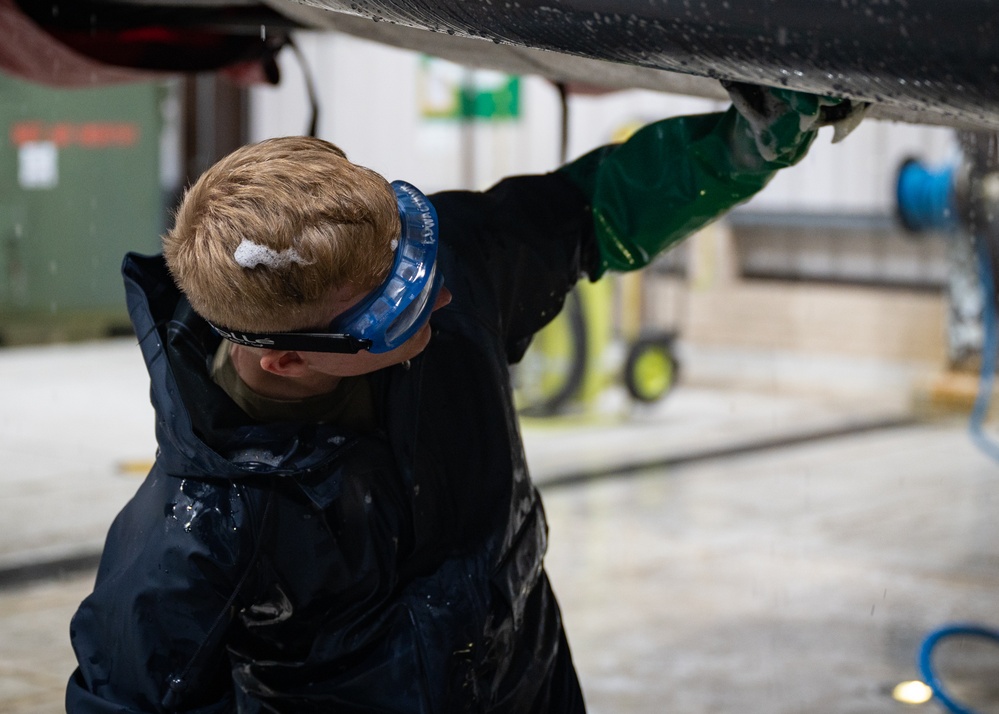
[926, 198]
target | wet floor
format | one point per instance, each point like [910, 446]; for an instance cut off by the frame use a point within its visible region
[793, 579]
[35, 656]
[796, 580]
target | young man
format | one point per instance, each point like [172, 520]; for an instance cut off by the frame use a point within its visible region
[340, 517]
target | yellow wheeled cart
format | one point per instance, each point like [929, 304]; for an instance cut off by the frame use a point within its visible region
[579, 354]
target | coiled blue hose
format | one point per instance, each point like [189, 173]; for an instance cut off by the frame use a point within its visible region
[926, 660]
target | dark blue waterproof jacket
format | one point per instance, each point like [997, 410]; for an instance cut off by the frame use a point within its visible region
[296, 567]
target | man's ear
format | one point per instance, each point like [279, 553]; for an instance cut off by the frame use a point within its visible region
[283, 363]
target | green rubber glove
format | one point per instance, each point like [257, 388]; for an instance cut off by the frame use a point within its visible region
[677, 175]
[778, 115]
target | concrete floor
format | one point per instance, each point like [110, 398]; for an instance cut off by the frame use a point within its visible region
[799, 579]
[796, 580]
[797, 573]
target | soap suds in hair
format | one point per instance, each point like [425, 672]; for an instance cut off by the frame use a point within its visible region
[250, 255]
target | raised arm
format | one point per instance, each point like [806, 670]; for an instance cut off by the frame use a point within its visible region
[679, 174]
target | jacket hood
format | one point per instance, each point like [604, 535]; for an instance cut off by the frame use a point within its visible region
[200, 431]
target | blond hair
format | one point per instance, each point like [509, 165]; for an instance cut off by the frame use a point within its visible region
[265, 236]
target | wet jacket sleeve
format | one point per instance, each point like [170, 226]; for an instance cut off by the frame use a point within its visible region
[149, 637]
[675, 176]
[515, 250]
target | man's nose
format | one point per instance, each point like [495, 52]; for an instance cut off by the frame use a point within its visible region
[443, 298]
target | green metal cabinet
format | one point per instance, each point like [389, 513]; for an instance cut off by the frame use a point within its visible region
[79, 186]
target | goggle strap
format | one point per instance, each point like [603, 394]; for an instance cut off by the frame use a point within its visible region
[335, 342]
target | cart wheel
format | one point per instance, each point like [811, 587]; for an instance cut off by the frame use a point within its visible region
[551, 373]
[651, 369]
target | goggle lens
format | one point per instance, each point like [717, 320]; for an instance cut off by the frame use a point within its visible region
[413, 317]
[399, 308]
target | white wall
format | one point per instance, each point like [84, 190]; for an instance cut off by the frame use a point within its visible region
[369, 99]
[858, 174]
[369, 106]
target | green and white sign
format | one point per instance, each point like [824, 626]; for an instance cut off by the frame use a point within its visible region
[450, 91]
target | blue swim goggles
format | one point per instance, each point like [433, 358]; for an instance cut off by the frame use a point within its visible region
[390, 314]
